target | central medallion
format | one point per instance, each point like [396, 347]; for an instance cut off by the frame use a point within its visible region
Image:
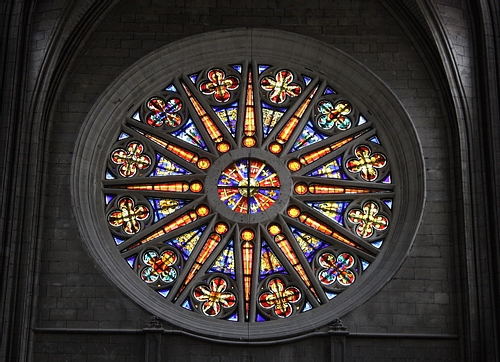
[248, 186]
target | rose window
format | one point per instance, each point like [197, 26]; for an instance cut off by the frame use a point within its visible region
[248, 193]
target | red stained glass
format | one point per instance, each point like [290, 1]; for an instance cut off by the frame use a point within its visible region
[281, 86]
[219, 85]
[128, 216]
[368, 220]
[214, 297]
[164, 112]
[366, 163]
[131, 159]
[280, 298]
[249, 186]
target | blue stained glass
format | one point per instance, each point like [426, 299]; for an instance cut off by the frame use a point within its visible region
[118, 241]
[228, 116]
[307, 307]
[109, 198]
[137, 116]
[164, 292]
[362, 120]
[165, 207]
[269, 262]
[193, 78]
[377, 244]
[332, 169]
[237, 68]
[260, 318]
[330, 295]
[171, 88]
[388, 202]
[374, 139]
[262, 68]
[270, 117]
[123, 135]
[308, 137]
[167, 167]
[387, 180]
[307, 80]
[308, 243]
[187, 305]
[233, 318]
[190, 134]
[131, 260]
[329, 90]
[225, 261]
[260, 203]
[364, 264]
[186, 242]
[333, 209]
[109, 176]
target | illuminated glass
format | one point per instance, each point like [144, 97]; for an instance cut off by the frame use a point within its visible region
[248, 193]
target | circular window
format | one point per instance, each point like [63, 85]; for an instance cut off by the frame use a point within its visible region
[249, 197]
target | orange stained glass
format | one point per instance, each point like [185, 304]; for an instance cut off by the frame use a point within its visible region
[249, 127]
[288, 129]
[275, 148]
[166, 187]
[329, 189]
[293, 211]
[309, 221]
[301, 189]
[247, 250]
[203, 163]
[294, 165]
[210, 245]
[274, 229]
[285, 246]
[221, 228]
[181, 221]
[247, 235]
[315, 224]
[183, 153]
[223, 147]
[212, 129]
[196, 187]
[312, 156]
[249, 142]
[202, 210]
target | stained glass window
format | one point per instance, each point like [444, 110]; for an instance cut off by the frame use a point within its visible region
[248, 193]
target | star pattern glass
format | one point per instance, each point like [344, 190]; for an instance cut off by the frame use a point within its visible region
[242, 207]
[249, 186]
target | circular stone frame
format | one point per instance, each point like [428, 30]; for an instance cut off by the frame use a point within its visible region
[276, 47]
